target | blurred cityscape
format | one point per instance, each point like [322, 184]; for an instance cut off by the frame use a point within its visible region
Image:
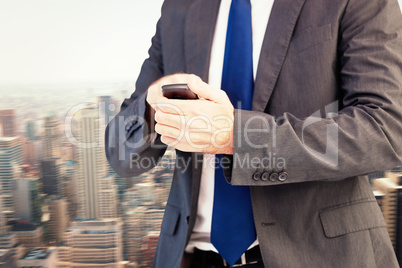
[61, 205]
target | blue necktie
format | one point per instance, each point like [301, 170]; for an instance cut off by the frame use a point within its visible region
[233, 230]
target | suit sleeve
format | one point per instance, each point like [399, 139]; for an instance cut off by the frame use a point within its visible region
[131, 145]
[362, 137]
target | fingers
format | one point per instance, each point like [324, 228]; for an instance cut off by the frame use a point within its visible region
[203, 125]
[174, 120]
[205, 91]
[169, 131]
[181, 107]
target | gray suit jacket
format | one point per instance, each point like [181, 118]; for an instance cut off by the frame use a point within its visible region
[318, 56]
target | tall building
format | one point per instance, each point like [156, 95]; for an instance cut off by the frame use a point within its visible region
[31, 130]
[107, 109]
[29, 235]
[92, 243]
[32, 151]
[148, 248]
[138, 222]
[67, 151]
[91, 165]
[10, 250]
[7, 259]
[396, 177]
[39, 257]
[28, 152]
[145, 192]
[70, 188]
[9, 241]
[8, 122]
[52, 176]
[23, 203]
[108, 199]
[11, 159]
[129, 200]
[52, 137]
[38, 201]
[391, 206]
[3, 229]
[58, 220]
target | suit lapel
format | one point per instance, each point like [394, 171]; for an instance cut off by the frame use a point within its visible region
[199, 33]
[279, 31]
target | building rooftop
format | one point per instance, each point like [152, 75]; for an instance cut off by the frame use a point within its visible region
[86, 219]
[70, 163]
[6, 139]
[21, 227]
[6, 235]
[37, 254]
[99, 232]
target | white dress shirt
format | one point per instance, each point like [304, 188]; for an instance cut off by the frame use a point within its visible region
[260, 11]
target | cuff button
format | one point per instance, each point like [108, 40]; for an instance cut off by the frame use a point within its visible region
[265, 176]
[283, 176]
[274, 177]
[257, 176]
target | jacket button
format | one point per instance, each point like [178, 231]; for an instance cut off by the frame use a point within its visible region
[274, 176]
[265, 176]
[257, 176]
[283, 176]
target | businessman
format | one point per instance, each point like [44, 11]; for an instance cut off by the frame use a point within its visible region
[297, 101]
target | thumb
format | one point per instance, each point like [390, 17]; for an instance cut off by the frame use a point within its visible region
[205, 91]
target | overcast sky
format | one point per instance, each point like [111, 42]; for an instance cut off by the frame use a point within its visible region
[45, 41]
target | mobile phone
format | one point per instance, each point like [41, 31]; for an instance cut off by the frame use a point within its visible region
[178, 91]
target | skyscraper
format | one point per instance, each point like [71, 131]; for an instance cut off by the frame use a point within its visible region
[391, 205]
[58, 220]
[107, 109]
[92, 243]
[70, 188]
[31, 130]
[23, 202]
[8, 122]
[10, 162]
[3, 229]
[51, 140]
[7, 259]
[107, 198]
[52, 176]
[138, 222]
[96, 191]
[148, 248]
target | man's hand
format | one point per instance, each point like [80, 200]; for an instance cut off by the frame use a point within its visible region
[203, 125]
